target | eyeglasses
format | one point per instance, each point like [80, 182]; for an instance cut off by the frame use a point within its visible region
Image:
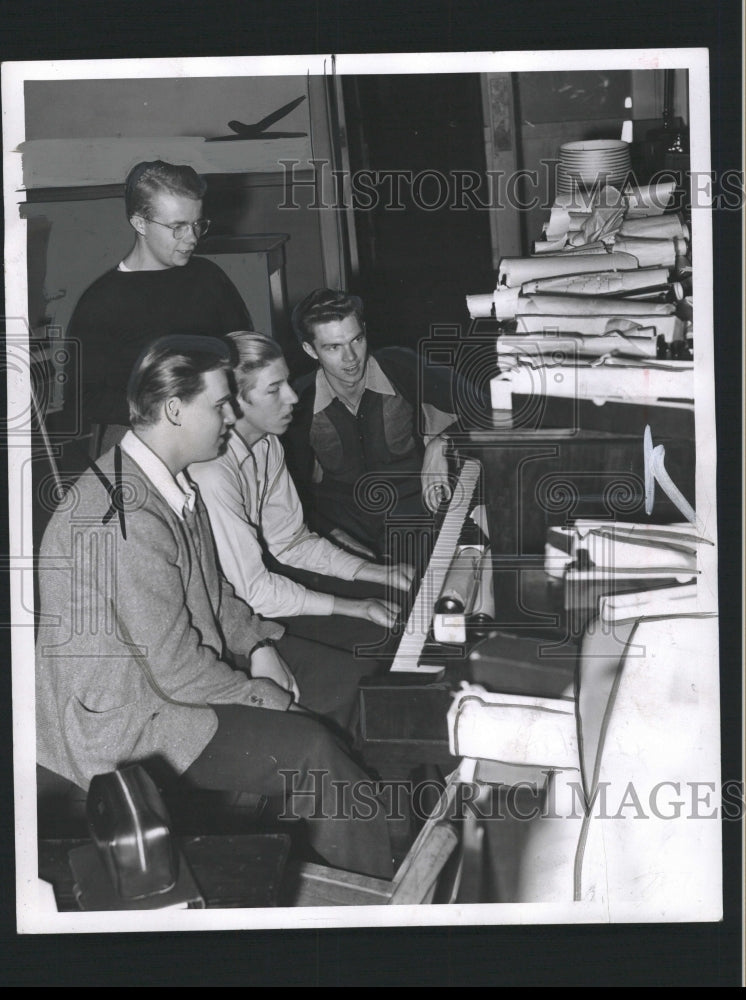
[181, 229]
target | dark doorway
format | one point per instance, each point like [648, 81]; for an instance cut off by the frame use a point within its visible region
[422, 244]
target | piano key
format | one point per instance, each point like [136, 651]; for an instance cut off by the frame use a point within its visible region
[420, 618]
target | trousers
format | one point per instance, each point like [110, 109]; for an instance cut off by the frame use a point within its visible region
[304, 760]
[296, 759]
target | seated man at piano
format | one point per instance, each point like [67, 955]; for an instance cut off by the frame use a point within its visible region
[367, 445]
[145, 654]
[258, 523]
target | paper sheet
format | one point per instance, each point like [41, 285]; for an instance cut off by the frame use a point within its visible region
[599, 283]
[515, 270]
[671, 327]
[590, 305]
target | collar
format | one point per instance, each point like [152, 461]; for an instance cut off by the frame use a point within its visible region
[178, 492]
[375, 380]
[242, 451]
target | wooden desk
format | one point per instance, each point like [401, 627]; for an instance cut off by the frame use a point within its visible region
[231, 872]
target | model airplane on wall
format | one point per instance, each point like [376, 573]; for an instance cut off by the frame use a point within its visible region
[259, 129]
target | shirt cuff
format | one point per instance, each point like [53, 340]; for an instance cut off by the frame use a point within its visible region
[346, 565]
[315, 603]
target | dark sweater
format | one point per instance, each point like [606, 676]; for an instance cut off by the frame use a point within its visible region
[123, 311]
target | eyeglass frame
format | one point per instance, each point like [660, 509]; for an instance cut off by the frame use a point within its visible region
[176, 226]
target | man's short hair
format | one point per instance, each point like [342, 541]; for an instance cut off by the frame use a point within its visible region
[252, 352]
[172, 366]
[325, 305]
[146, 180]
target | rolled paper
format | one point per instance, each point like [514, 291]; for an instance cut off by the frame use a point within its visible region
[627, 381]
[649, 199]
[505, 302]
[655, 226]
[637, 343]
[515, 271]
[500, 393]
[545, 246]
[602, 223]
[579, 200]
[649, 252]
[461, 583]
[576, 221]
[600, 282]
[659, 293]
[671, 327]
[598, 247]
[591, 305]
[555, 235]
[479, 305]
[558, 225]
[484, 604]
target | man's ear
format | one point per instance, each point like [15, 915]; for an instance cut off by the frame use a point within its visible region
[138, 224]
[172, 409]
[309, 349]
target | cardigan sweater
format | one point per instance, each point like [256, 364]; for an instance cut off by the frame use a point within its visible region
[122, 596]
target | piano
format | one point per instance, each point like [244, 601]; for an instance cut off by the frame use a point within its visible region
[528, 480]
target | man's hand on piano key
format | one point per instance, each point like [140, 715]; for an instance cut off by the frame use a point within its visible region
[435, 486]
[373, 609]
[400, 576]
[396, 575]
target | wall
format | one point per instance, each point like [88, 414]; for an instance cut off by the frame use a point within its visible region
[88, 133]
[70, 243]
[177, 106]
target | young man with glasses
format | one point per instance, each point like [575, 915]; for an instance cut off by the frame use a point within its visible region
[159, 288]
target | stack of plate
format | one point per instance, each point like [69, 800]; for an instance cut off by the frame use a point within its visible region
[592, 162]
